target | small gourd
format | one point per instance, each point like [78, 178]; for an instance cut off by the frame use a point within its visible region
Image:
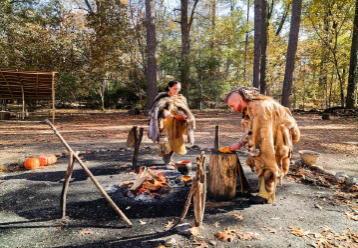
[47, 159]
[32, 163]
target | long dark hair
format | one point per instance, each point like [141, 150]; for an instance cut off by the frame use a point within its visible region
[171, 84]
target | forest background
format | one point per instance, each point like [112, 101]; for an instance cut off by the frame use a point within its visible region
[120, 53]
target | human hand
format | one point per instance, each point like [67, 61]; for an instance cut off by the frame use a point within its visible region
[169, 115]
[235, 146]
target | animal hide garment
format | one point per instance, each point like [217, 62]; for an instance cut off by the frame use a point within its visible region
[270, 130]
[168, 132]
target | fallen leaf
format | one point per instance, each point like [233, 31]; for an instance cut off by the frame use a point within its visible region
[84, 232]
[351, 216]
[169, 224]
[318, 206]
[237, 216]
[271, 230]
[216, 224]
[194, 230]
[298, 231]
[226, 237]
[142, 222]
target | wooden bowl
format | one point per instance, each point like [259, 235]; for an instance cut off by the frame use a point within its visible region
[180, 117]
[309, 157]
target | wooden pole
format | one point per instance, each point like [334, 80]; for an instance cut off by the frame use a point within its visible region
[137, 142]
[94, 180]
[53, 97]
[216, 141]
[23, 102]
[66, 183]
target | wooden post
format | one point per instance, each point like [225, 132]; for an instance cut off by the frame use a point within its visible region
[23, 102]
[66, 183]
[89, 173]
[137, 141]
[222, 175]
[53, 97]
[216, 141]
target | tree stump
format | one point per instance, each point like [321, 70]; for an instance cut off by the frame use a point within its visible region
[222, 175]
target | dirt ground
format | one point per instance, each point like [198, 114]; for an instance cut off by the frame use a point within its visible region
[312, 209]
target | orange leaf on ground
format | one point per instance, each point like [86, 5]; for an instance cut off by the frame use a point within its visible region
[237, 216]
[298, 231]
[226, 237]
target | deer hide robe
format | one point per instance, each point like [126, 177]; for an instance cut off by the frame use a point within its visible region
[168, 132]
[270, 130]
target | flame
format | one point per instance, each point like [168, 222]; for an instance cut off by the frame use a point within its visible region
[160, 181]
[142, 190]
[186, 179]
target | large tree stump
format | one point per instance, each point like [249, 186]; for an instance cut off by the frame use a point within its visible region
[222, 175]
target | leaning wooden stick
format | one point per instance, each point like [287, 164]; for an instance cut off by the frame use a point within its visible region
[89, 173]
[66, 183]
[199, 197]
[198, 192]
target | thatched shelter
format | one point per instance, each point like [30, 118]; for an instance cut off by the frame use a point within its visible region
[23, 85]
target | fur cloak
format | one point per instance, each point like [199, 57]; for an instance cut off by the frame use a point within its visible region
[162, 104]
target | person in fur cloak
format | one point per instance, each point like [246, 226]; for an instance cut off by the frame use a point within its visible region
[170, 119]
[269, 130]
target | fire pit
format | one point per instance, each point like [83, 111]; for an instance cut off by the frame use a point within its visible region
[150, 184]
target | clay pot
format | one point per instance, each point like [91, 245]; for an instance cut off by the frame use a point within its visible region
[184, 167]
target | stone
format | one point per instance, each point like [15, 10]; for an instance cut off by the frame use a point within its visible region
[64, 152]
[183, 228]
[340, 176]
[170, 242]
[21, 161]
[351, 180]
[298, 162]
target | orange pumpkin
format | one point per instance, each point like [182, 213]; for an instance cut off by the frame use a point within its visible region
[32, 163]
[47, 159]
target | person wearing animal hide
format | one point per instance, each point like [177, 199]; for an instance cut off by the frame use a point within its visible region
[170, 120]
[270, 130]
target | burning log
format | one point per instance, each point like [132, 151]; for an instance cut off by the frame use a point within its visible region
[138, 183]
[148, 181]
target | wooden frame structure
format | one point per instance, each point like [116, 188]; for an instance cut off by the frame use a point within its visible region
[19, 84]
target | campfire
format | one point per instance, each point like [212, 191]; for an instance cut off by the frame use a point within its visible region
[149, 184]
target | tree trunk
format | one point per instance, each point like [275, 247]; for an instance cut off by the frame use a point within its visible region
[246, 37]
[257, 44]
[151, 54]
[222, 175]
[283, 19]
[291, 52]
[351, 87]
[264, 22]
[186, 23]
